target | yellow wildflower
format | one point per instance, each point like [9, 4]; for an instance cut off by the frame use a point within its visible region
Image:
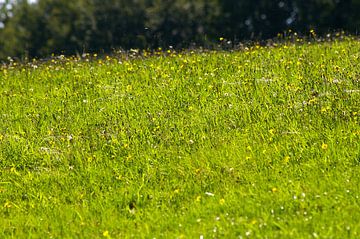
[106, 234]
[312, 101]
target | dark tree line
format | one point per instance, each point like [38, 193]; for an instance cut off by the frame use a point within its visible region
[68, 27]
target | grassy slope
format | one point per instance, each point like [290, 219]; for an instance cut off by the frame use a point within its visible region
[258, 143]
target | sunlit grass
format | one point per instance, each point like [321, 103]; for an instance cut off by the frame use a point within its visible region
[262, 142]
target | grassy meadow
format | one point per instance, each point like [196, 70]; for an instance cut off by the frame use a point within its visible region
[262, 142]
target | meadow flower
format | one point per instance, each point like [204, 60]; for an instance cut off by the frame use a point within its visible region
[352, 91]
[106, 234]
[272, 131]
[324, 146]
[312, 101]
[325, 109]
[209, 194]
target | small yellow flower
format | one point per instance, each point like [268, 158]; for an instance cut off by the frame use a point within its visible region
[274, 190]
[222, 201]
[7, 205]
[312, 101]
[221, 38]
[106, 234]
[198, 198]
[324, 146]
[325, 109]
[286, 159]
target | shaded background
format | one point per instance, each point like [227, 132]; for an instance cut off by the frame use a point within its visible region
[40, 28]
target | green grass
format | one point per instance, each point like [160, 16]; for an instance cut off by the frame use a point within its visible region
[258, 143]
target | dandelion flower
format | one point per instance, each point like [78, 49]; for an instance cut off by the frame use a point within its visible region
[324, 146]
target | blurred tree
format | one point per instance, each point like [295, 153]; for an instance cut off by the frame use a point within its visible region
[118, 23]
[323, 15]
[14, 35]
[181, 22]
[255, 19]
[50, 26]
[69, 27]
[60, 26]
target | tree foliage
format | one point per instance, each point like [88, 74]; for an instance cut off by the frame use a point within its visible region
[69, 27]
